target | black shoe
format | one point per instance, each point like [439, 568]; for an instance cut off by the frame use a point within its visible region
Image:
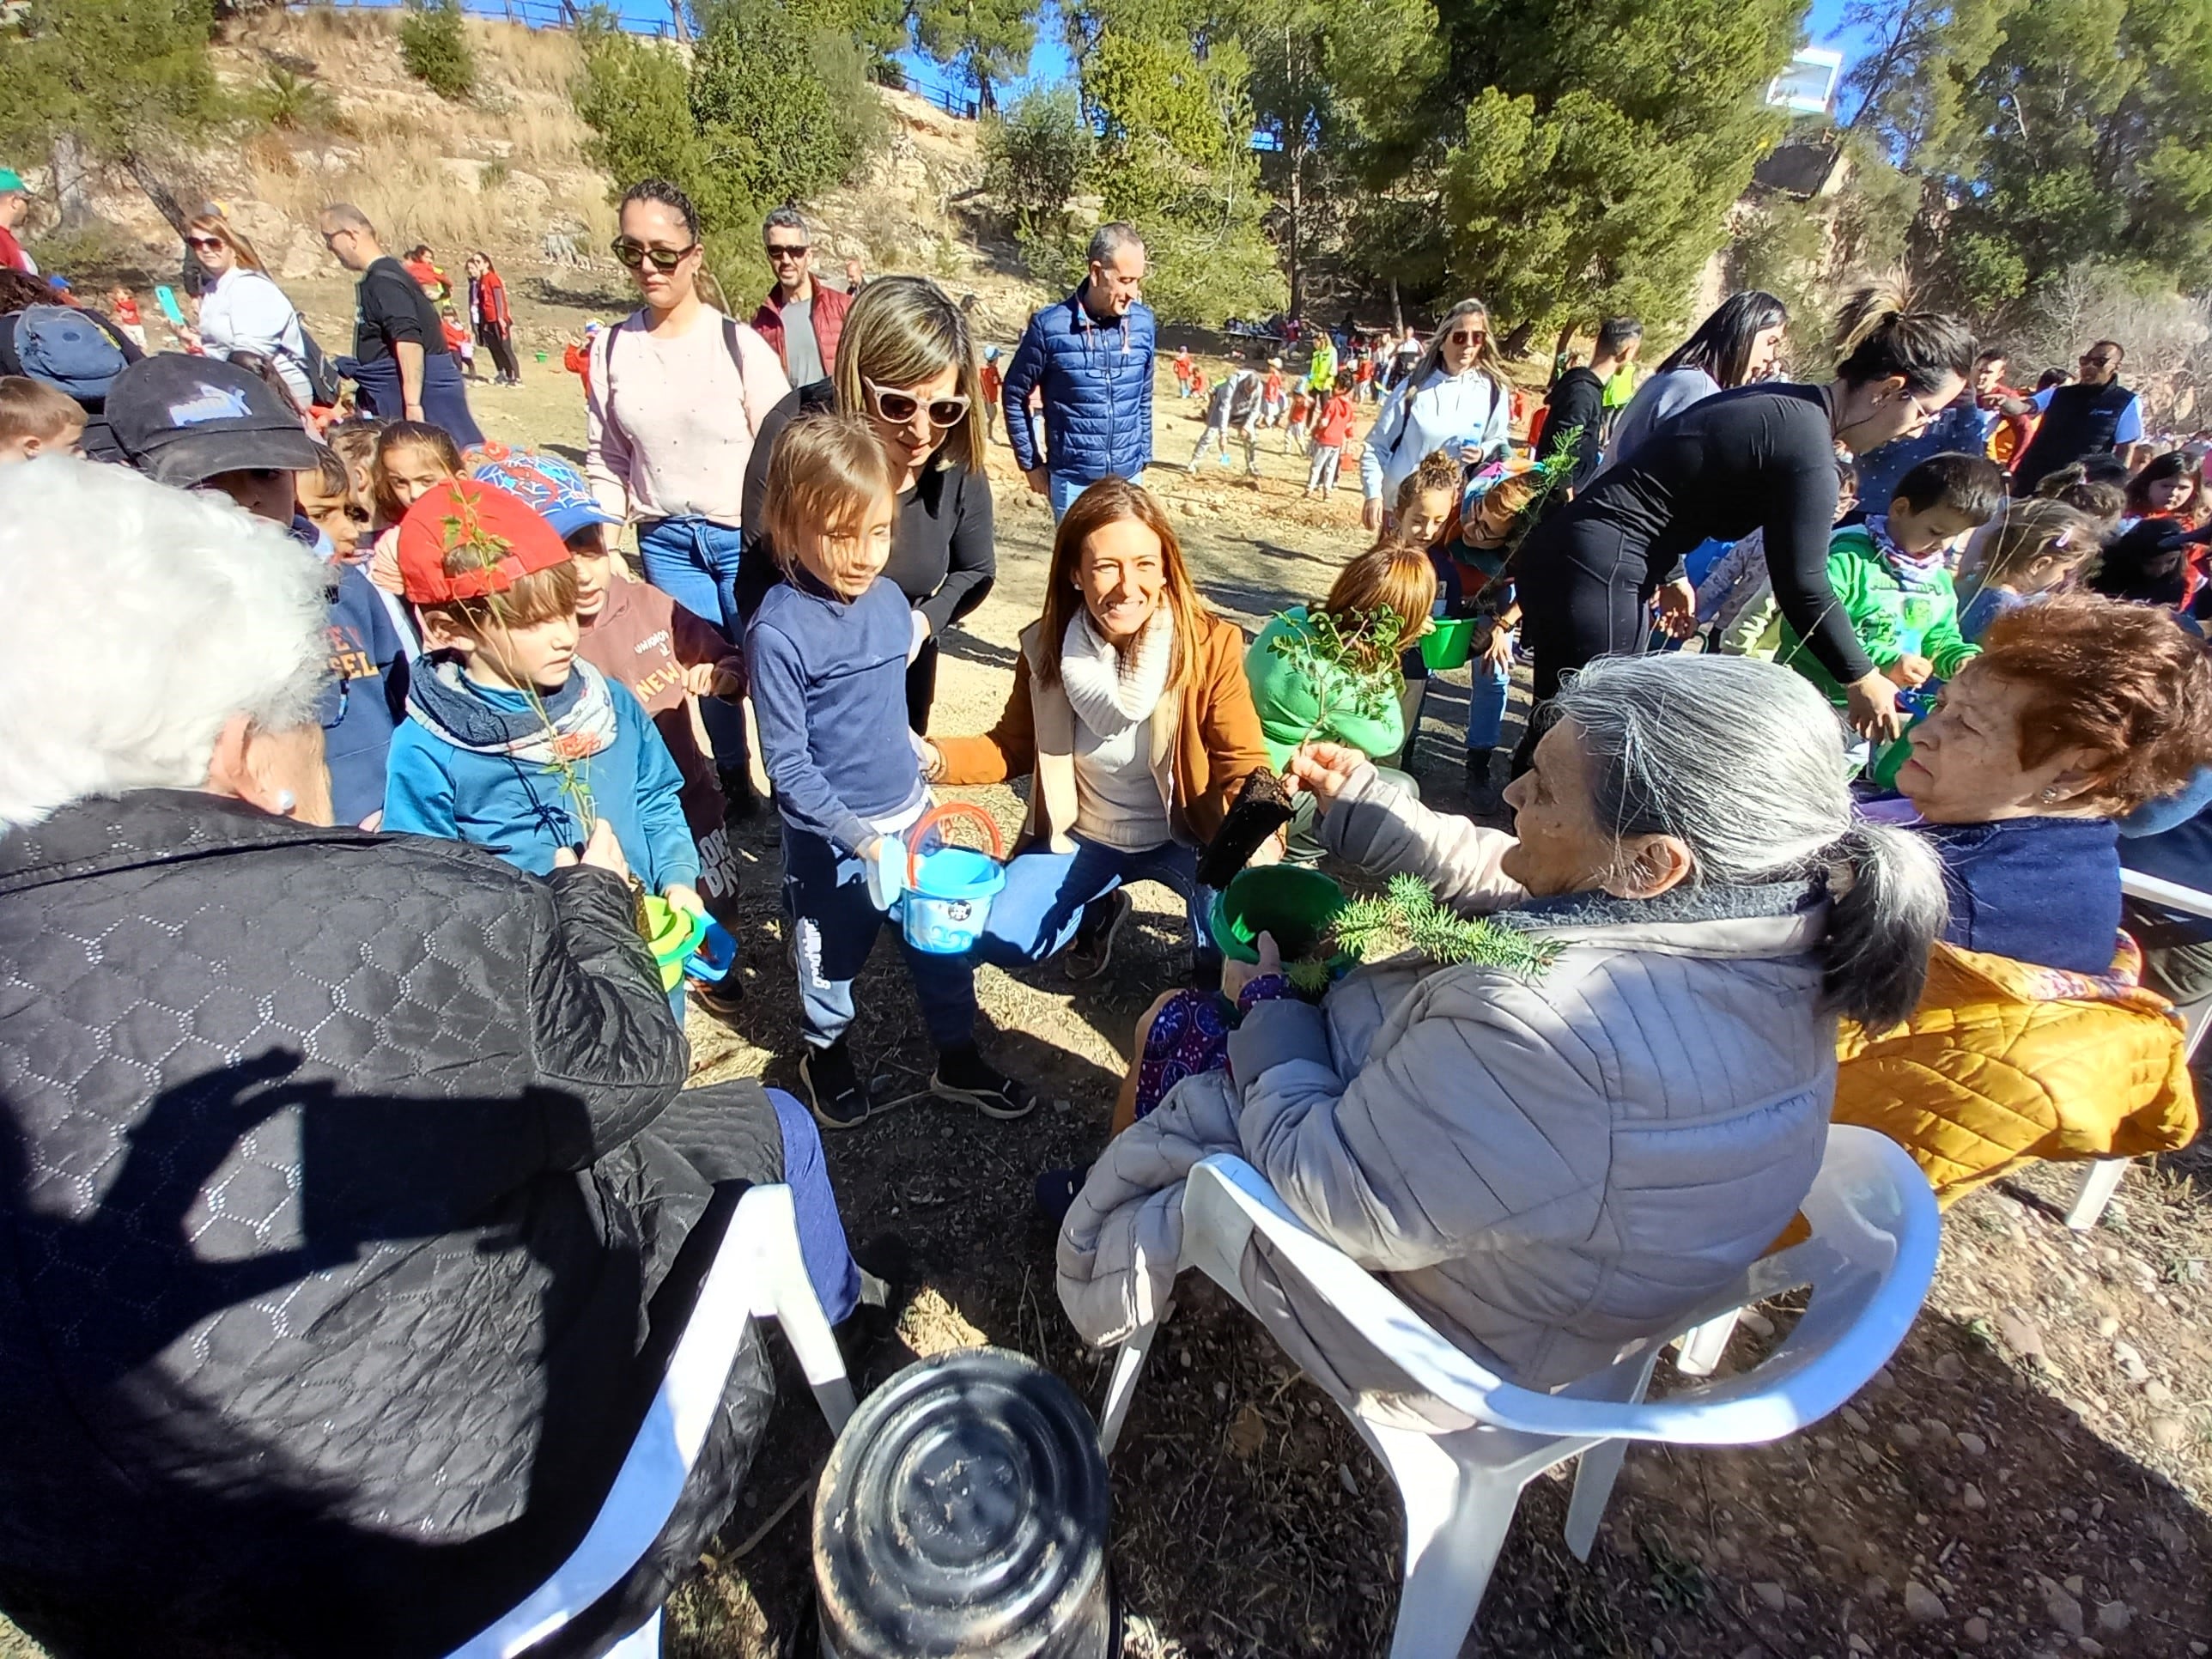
[834, 1089]
[721, 998]
[1092, 947]
[963, 1074]
[1483, 799]
[739, 804]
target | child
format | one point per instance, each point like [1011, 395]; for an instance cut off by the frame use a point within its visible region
[1294, 435]
[1332, 431]
[202, 424]
[355, 443]
[638, 636]
[325, 499]
[1738, 589]
[1892, 575]
[1271, 393]
[37, 419]
[2167, 488]
[2038, 548]
[459, 341]
[991, 382]
[828, 649]
[1197, 380]
[510, 742]
[122, 312]
[1183, 371]
[412, 459]
[1235, 406]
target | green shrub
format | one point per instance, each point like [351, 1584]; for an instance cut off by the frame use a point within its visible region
[294, 103]
[433, 45]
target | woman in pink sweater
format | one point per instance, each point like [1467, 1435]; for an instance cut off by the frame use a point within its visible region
[674, 396]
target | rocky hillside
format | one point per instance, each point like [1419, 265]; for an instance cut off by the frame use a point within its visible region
[506, 171]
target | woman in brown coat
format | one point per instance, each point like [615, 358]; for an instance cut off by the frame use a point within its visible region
[1131, 712]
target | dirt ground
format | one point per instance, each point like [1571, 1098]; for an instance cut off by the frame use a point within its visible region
[2028, 1476]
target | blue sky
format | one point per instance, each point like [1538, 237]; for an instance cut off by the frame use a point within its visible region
[1049, 60]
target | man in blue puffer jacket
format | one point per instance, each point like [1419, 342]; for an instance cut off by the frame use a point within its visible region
[1091, 354]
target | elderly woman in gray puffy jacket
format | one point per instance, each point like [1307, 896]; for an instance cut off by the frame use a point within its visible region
[1553, 1167]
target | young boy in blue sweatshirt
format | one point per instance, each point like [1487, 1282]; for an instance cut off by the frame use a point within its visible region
[829, 647]
[511, 741]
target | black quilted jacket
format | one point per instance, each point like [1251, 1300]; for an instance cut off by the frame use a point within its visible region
[327, 1229]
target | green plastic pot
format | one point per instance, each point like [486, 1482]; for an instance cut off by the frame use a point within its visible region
[1449, 643]
[1294, 904]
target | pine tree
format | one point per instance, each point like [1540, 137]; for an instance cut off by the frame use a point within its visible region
[984, 42]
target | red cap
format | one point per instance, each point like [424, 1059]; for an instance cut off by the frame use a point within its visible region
[460, 512]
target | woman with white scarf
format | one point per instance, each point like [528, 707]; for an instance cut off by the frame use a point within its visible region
[1131, 712]
[1455, 399]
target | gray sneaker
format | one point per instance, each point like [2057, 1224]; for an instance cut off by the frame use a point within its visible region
[1092, 947]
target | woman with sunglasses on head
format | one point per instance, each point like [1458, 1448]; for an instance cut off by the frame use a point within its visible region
[905, 361]
[675, 399]
[241, 307]
[1761, 457]
[1740, 342]
[1454, 398]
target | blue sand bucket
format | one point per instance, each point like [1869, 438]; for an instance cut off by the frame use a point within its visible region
[949, 890]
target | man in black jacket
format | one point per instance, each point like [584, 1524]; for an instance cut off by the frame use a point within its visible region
[2094, 415]
[1575, 409]
[349, 1207]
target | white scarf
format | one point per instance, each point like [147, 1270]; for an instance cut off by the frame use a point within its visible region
[1110, 694]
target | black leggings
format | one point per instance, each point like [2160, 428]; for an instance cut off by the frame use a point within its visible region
[1588, 600]
[494, 339]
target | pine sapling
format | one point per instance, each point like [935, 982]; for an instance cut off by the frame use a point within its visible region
[1405, 919]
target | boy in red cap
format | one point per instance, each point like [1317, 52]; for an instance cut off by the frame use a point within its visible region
[511, 740]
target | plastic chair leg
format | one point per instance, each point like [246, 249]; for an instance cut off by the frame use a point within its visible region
[2098, 1186]
[1122, 1389]
[643, 1642]
[1457, 1516]
[1701, 1347]
[789, 1294]
[1596, 1470]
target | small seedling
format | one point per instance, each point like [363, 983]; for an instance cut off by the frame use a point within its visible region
[1405, 919]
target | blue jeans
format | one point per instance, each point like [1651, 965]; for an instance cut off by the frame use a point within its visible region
[833, 924]
[1042, 902]
[822, 1243]
[1064, 490]
[1486, 703]
[694, 562]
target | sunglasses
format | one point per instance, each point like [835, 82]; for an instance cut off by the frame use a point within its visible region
[205, 242]
[630, 255]
[900, 407]
[1459, 337]
[2098, 362]
[789, 250]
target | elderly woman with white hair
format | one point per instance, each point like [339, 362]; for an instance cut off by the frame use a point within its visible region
[349, 1204]
[1552, 1163]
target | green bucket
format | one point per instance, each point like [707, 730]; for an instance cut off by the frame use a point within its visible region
[1449, 643]
[1294, 904]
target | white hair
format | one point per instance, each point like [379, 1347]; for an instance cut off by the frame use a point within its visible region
[1743, 761]
[137, 620]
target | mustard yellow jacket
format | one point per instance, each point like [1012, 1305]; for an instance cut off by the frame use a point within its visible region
[2004, 1062]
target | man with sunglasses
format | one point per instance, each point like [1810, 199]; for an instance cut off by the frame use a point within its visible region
[800, 317]
[1092, 356]
[400, 359]
[2093, 416]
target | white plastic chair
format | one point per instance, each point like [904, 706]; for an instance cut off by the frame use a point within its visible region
[756, 1273]
[1869, 1261]
[2103, 1177]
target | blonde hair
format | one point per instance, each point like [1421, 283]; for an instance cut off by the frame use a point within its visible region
[1391, 572]
[214, 224]
[825, 470]
[2036, 529]
[901, 331]
[407, 434]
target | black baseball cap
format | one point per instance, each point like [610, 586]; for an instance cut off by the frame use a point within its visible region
[181, 420]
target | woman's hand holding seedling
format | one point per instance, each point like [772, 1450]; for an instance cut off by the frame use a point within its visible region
[1323, 769]
[1236, 976]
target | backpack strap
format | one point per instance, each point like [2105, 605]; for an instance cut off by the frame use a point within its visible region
[737, 361]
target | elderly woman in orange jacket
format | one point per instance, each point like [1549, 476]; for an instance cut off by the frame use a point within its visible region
[1131, 712]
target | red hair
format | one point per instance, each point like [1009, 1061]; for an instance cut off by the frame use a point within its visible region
[2125, 682]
